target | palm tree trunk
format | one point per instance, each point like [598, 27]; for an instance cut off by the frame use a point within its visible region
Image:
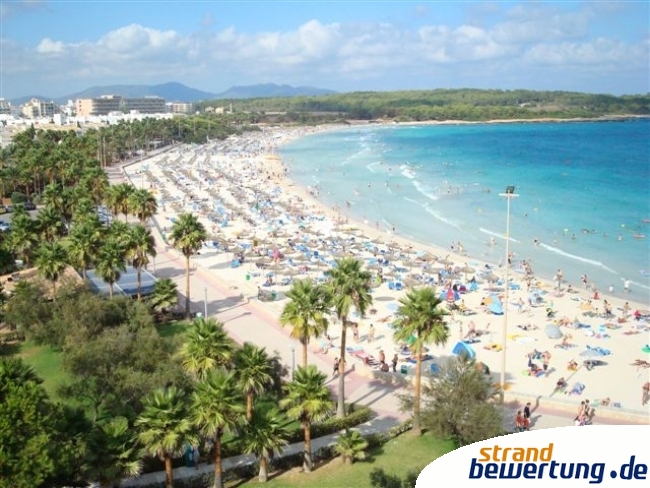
[249, 406]
[110, 290]
[340, 408]
[218, 470]
[417, 430]
[304, 354]
[263, 476]
[169, 473]
[307, 463]
[187, 287]
[83, 272]
[139, 283]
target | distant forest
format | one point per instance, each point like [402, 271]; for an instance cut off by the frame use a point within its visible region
[438, 105]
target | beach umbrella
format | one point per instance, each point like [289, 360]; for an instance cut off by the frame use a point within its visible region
[446, 261]
[467, 269]
[553, 331]
[411, 283]
[591, 353]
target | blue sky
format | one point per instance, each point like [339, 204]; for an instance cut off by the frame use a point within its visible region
[53, 48]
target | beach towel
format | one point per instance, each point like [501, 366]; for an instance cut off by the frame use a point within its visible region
[577, 389]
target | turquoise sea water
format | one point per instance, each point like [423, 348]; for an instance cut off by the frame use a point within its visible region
[584, 190]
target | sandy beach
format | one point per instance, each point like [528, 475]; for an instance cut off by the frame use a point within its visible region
[266, 231]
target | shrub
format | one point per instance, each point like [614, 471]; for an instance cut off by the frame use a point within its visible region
[18, 198]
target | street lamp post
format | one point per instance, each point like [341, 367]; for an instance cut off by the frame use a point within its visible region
[205, 302]
[509, 195]
[293, 362]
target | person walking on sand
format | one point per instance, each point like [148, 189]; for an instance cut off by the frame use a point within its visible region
[371, 333]
[519, 422]
[394, 363]
[336, 367]
[527, 416]
[646, 393]
[546, 358]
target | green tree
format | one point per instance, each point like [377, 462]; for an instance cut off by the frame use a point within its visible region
[206, 347]
[349, 286]
[351, 445]
[141, 245]
[83, 243]
[37, 444]
[23, 235]
[253, 371]
[218, 409]
[117, 199]
[307, 400]
[49, 223]
[306, 312]
[462, 404]
[188, 235]
[142, 204]
[113, 454]
[51, 260]
[265, 434]
[420, 321]
[165, 428]
[110, 263]
[164, 296]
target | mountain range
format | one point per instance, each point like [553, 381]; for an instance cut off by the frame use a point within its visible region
[177, 92]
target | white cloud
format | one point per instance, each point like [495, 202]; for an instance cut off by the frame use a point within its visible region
[333, 54]
[48, 46]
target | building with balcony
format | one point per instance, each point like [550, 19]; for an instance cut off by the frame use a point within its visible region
[36, 109]
[107, 104]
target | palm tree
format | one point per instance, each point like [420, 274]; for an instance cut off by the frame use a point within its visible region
[50, 224]
[117, 199]
[351, 445]
[164, 296]
[307, 400]
[264, 435]
[110, 263]
[420, 321]
[165, 428]
[23, 237]
[206, 347]
[142, 204]
[51, 259]
[83, 243]
[188, 235]
[141, 245]
[218, 408]
[112, 455]
[350, 287]
[253, 371]
[306, 312]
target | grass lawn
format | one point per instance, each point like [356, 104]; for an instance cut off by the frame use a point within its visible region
[397, 457]
[172, 328]
[47, 364]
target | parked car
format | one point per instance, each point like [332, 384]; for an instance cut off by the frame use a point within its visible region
[4, 226]
[29, 206]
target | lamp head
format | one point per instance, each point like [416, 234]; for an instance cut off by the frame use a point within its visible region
[510, 190]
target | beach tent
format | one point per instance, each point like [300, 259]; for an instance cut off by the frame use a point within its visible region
[494, 305]
[463, 349]
[553, 331]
